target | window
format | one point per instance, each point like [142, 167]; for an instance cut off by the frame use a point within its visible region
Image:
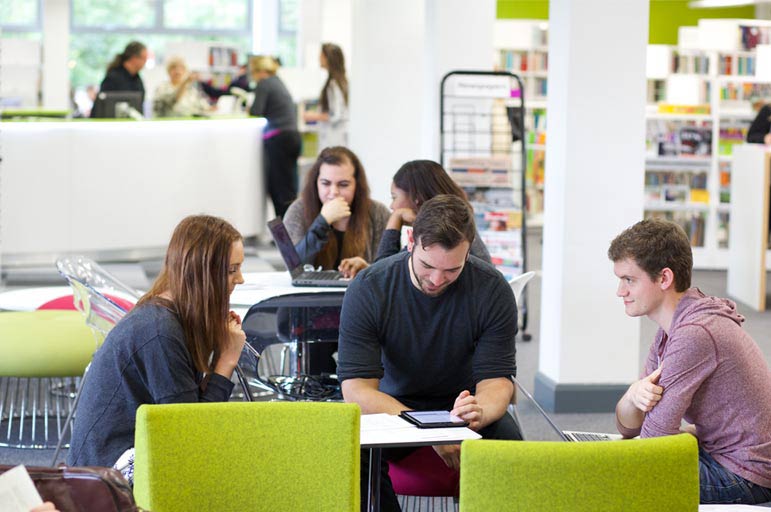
[24, 15]
[102, 28]
[288, 21]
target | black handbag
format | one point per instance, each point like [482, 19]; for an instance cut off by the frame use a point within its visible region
[82, 489]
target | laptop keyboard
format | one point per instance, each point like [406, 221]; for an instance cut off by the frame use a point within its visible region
[588, 436]
[320, 276]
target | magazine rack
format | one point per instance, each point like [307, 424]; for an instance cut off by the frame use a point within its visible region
[482, 141]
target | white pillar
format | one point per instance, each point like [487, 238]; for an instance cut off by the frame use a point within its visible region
[402, 48]
[589, 349]
[56, 46]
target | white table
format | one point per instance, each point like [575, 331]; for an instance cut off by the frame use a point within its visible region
[380, 431]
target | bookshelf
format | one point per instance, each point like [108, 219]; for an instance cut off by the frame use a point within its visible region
[700, 98]
[521, 47]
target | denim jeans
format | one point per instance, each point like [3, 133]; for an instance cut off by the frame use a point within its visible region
[719, 485]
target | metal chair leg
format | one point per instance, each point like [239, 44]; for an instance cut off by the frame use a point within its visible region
[71, 414]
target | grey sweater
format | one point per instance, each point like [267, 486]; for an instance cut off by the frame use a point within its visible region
[310, 240]
[273, 102]
[143, 360]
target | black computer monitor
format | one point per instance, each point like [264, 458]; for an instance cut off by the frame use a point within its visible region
[111, 104]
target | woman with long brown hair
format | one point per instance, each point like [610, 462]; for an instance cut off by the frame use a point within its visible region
[333, 101]
[334, 224]
[415, 183]
[180, 344]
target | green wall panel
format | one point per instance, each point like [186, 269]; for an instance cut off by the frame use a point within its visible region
[523, 9]
[665, 15]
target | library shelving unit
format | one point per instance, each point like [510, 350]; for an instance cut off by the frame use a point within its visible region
[482, 145]
[700, 106]
[521, 47]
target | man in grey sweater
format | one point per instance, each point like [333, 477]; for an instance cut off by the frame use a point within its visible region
[702, 367]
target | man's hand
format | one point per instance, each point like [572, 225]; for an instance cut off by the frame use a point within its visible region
[334, 210]
[646, 393]
[450, 454]
[468, 409]
[349, 267]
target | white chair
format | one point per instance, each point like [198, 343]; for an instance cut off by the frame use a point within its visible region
[103, 300]
[518, 287]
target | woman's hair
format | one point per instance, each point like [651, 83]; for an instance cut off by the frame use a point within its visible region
[424, 179]
[195, 274]
[264, 63]
[357, 235]
[336, 68]
[133, 49]
[175, 61]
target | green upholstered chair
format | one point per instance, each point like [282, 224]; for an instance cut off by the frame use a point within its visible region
[258, 456]
[660, 474]
[39, 351]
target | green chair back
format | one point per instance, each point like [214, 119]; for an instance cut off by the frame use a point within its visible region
[258, 456]
[660, 474]
[49, 343]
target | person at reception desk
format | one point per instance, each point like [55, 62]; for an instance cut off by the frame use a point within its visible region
[281, 140]
[180, 96]
[335, 224]
[123, 71]
[415, 183]
[180, 344]
[702, 367]
[432, 328]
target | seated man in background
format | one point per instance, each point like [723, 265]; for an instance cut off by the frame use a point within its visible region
[431, 328]
[702, 367]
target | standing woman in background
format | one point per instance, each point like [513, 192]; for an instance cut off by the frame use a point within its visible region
[123, 71]
[333, 102]
[281, 140]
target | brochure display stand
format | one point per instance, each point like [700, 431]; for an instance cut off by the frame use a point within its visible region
[483, 149]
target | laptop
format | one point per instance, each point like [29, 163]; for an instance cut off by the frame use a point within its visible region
[531, 417]
[300, 276]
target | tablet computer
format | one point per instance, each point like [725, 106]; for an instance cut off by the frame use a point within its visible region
[432, 419]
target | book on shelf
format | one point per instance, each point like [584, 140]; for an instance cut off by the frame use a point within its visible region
[693, 222]
[493, 171]
[679, 138]
[695, 141]
[724, 190]
[751, 36]
[669, 108]
[729, 136]
[723, 225]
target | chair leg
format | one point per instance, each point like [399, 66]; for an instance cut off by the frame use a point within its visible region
[70, 416]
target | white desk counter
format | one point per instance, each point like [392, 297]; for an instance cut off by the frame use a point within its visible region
[90, 186]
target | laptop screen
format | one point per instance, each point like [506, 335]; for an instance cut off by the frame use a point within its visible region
[533, 420]
[284, 244]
